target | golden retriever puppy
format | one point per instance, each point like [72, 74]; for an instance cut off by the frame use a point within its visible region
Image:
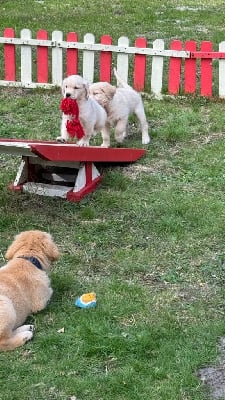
[24, 285]
[91, 115]
[119, 104]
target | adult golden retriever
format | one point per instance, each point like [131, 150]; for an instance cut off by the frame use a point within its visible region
[24, 285]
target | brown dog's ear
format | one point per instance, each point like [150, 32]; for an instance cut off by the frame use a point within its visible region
[13, 248]
[50, 248]
[109, 91]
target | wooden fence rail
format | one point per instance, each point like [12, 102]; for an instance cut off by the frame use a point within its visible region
[44, 62]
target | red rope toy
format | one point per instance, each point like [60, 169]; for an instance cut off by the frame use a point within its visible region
[70, 107]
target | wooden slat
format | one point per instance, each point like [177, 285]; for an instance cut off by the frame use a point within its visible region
[10, 56]
[190, 69]
[222, 72]
[157, 69]
[88, 59]
[42, 58]
[72, 55]
[175, 69]
[140, 66]
[26, 58]
[57, 60]
[122, 59]
[206, 71]
[105, 60]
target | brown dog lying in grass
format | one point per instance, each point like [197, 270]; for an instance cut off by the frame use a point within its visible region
[24, 285]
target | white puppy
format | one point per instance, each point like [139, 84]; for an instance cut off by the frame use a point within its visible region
[92, 116]
[119, 103]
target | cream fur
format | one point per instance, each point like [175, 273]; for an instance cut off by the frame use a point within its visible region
[119, 103]
[92, 116]
[24, 289]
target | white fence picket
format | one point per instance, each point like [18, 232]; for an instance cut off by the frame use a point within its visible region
[89, 59]
[122, 59]
[26, 58]
[57, 59]
[157, 69]
[222, 72]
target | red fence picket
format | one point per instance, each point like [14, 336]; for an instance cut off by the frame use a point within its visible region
[42, 58]
[190, 69]
[72, 55]
[206, 71]
[140, 65]
[105, 60]
[10, 56]
[175, 69]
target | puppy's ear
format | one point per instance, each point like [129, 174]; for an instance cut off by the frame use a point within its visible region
[109, 91]
[50, 248]
[63, 87]
[13, 248]
[87, 91]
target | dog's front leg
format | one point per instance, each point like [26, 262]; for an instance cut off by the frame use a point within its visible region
[64, 136]
[105, 136]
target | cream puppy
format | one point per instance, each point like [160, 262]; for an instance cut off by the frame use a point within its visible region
[92, 116]
[119, 104]
[24, 285]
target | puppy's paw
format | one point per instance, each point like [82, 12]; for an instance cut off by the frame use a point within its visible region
[26, 336]
[83, 143]
[146, 140]
[60, 139]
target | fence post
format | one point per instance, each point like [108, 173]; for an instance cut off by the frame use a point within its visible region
[222, 72]
[57, 59]
[140, 65]
[122, 59]
[157, 69]
[42, 58]
[88, 58]
[10, 56]
[190, 69]
[26, 58]
[71, 55]
[105, 60]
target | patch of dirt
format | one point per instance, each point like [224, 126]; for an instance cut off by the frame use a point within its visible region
[214, 376]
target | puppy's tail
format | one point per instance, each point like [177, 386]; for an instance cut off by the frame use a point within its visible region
[120, 80]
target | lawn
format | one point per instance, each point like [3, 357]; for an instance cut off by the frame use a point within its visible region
[149, 241]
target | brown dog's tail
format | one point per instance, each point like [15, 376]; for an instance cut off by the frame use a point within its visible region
[120, 80]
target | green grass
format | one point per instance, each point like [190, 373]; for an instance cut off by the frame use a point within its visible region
[149, 241]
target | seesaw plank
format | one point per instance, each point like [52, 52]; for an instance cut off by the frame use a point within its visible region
[54, 151]
[68, 152]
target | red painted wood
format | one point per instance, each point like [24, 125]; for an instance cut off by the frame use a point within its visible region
[207, 54]
[42, 58]
[140, 65]
[190, 69]
[70, 152]
[10, 56]
[72, 55]
[105, 60]
[175, 69]
[206, 71]
[89, 188]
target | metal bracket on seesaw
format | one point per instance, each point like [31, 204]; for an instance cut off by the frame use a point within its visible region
[62, 170]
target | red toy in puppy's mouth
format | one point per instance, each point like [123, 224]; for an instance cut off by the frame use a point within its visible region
[70, 107]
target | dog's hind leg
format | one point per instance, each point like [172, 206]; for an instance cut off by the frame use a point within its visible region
[140, 114]
[121, 130]
[17, 339]
[9, 338]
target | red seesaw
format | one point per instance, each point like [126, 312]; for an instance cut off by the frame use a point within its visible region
[62, 170]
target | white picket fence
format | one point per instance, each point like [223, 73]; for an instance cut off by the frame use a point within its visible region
[42, 62]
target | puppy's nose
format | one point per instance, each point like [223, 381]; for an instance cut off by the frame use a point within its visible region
[68, 94]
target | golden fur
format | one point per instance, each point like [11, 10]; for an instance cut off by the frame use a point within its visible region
[24, 289]
[119, 103]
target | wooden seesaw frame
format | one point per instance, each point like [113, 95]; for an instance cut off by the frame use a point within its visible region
[62, 170]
